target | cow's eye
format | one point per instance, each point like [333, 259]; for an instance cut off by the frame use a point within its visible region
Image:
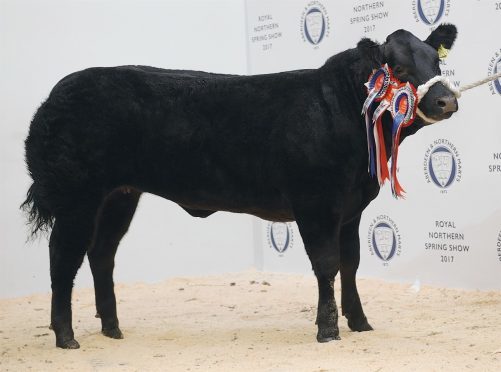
[398, 70]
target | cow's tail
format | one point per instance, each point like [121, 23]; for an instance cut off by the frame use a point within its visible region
[40, 218]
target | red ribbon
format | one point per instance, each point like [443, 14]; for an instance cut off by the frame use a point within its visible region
[400, 99]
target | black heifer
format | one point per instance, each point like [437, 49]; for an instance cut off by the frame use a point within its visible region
[284, 147]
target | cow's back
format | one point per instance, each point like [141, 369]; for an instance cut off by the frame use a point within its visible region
[203, 140]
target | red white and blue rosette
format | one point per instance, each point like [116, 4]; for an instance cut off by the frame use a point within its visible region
[404, 105]
[386, 93]
[403, 110]
[377, 86]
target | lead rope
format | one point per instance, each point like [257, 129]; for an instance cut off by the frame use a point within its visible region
[424, 88]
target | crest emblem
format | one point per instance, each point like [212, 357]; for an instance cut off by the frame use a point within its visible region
[280, 236]
[442, 167]
[499, 246]
[430, 11]
[314, 26]
[497, 82]
[384, 241]
[442, 164]
[314, 23]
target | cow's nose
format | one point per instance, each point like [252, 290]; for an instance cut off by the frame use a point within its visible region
[448, 104]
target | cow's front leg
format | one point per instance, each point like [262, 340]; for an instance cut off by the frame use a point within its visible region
[319, 228]
[350, 259]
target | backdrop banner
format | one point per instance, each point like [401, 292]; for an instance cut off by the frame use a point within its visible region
[447, 230]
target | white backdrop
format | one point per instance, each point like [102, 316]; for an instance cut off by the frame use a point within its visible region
[43, 41]
[447, 230]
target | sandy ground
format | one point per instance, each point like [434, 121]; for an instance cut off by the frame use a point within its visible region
[258, 322]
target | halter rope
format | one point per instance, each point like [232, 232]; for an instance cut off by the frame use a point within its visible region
[424, 88]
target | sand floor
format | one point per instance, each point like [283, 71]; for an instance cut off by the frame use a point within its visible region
[256, 321]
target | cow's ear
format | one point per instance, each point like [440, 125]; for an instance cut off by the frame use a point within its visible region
[371, 53]
[444, 35]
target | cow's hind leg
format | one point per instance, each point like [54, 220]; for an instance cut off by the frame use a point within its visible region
[319, 228]
[113, 222]
[350, 259]
[70, 238]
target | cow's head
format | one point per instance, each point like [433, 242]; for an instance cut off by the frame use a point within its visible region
[417, 61]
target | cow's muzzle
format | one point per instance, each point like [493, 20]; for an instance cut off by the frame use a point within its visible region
[448, 104]
[437, 103]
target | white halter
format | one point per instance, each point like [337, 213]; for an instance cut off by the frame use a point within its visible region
[424, 88]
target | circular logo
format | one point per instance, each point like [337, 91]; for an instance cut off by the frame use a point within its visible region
[384, 239]
[280, 236]
[430, 11]
[314, 23]
[496, 84]
[442, 164]
[499, 246]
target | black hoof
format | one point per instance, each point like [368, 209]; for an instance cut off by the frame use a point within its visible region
[328, 335]
[115, 333]
[68, 344]
[327, 339]
[360, 325]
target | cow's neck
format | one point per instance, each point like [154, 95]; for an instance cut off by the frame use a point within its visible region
[343, 77]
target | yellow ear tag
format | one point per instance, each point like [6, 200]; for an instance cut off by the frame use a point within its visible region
[442, 52]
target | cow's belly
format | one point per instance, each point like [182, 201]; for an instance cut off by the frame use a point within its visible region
[269, 205]
[229, 195]
[271, 210]
[204, 184]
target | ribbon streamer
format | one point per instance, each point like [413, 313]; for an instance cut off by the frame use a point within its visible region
[401, 101]
[403, 110]
[378, 87]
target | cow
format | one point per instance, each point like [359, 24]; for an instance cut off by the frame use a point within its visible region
[287, 146]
